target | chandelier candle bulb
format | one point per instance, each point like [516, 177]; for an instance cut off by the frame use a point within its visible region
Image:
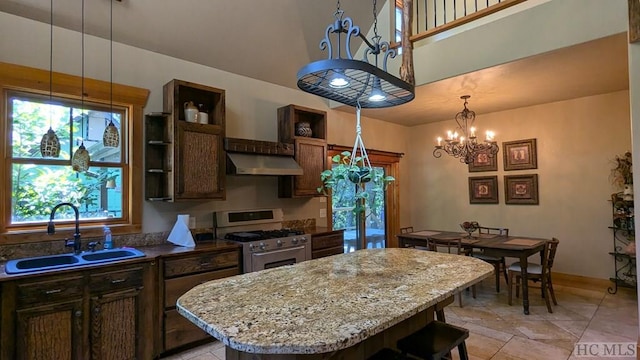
[472, 133]
[439, 141]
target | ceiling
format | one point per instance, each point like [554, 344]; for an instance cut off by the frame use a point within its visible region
[271, 40]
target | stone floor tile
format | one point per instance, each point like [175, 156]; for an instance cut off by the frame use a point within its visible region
[544, 329]
[522, 348]
[483, 347]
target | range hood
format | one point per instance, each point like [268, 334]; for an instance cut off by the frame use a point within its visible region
[254, 157]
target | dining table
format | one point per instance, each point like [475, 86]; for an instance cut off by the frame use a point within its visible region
[520, 247]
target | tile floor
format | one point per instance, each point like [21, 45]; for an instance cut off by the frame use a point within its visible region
[499, 331]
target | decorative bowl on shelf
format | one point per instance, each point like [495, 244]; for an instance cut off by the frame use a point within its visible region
[469, 227]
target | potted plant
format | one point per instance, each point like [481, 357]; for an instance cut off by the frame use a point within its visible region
[622, 174]
[357, 172]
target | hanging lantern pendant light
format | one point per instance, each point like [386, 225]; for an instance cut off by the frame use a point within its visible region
[80, 159]
[111, 137]
[50, 144]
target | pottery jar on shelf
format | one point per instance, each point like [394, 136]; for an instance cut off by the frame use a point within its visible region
[190, 112]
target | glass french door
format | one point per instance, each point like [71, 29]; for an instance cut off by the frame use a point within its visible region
[375, 215]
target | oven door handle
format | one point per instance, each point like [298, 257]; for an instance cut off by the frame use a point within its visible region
[273, 252]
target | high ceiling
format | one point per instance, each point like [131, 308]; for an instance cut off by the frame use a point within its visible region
[271, 40]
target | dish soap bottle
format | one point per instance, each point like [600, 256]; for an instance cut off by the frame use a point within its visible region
[108, 242]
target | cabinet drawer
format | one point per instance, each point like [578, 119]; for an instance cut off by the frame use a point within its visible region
[176, 287]
[49, 290]
[327, 252]
[179, 331]
[327, 241]
[200, 263]
[116, 280]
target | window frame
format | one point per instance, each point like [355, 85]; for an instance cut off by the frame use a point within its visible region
[18, 78]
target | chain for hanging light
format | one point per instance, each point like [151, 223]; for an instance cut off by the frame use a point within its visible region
[359, 164]
[111, 137]
[80, 159]
[50, 144]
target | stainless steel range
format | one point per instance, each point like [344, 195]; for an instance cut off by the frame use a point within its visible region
[265, 244]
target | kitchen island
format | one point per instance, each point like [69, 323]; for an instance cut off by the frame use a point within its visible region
[345, 306]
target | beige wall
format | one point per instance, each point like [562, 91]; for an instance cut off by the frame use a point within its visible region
[576, 141]
[251, 107]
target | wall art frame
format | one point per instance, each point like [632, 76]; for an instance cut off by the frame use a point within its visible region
[483, 190]
[521, 189]
[520, 154]
[483, 161]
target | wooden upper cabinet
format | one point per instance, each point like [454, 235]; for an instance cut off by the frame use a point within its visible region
[307, 129]
[188, 162]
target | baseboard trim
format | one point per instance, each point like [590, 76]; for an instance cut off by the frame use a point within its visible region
[582, 282]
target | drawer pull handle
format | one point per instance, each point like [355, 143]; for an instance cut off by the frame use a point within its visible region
[118, 281]
[205, 263]
[54, 291]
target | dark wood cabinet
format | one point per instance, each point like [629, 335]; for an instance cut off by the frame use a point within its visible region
[186, 160]
[305, 128]
[178, 274]
[327, 243]
[87, 314]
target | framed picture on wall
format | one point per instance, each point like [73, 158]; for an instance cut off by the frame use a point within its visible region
[483, 190]
[520, 154]
[521, 189]
[483, 161]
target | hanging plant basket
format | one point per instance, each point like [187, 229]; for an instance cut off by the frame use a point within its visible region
[359, 175]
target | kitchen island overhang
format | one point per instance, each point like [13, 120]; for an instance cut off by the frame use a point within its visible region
[328, 304]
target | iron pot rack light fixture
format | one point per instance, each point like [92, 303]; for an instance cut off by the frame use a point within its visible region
[465, 145]
[354, 82]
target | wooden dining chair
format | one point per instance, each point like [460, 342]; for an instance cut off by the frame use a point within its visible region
[498, 262]
[452, 245]
[537, 272]
[406, 230]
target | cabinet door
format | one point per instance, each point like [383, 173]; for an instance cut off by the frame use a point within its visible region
[115, 326]
[50, 332]
[199, 162]
[311, 155]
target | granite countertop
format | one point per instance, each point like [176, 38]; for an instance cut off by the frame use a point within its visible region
[329, 303]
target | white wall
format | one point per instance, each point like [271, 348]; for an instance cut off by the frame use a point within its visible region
[251, 108]
[576, 142]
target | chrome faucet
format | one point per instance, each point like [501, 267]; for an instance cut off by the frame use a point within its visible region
[51, 229]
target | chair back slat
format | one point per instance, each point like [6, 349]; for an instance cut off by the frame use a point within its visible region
[493, 230]
[550, 249]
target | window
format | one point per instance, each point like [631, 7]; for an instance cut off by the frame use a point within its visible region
[108, 193]
[398, 25]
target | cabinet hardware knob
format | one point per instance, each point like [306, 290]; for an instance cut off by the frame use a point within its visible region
[78, 313]
[205, 263]
[118, 281]
[54, 291]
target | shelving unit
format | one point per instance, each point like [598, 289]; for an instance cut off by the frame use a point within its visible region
[158, 156]
[310, 151]
[623, 234]
[186, 160]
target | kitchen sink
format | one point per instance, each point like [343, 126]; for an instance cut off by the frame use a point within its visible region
[50, 262]
[111, 255]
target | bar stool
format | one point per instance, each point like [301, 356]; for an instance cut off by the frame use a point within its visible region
[434, 341]
[388, 354]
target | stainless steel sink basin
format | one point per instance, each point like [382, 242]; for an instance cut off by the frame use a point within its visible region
[50, 262]
[111, 255]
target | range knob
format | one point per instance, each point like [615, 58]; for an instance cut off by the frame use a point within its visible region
[262, 246]
[279, 243]
[303, 239]
[252, 247]
[294, 241]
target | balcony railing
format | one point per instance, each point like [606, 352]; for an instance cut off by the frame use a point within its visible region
[431, 17]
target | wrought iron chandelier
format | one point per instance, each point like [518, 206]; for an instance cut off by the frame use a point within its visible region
[465, 145]
[354, 82]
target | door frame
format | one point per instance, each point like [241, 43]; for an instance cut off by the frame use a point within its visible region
[390, 161]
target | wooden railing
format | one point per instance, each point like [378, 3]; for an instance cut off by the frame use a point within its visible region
[430, 17]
